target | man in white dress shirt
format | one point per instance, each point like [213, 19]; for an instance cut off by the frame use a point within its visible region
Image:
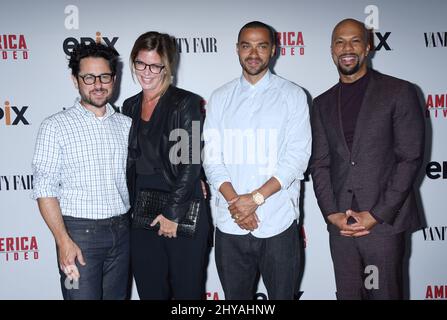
[257, 146]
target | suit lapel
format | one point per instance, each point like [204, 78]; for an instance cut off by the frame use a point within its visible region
[365, 113]
[334, 120]
[341, 134]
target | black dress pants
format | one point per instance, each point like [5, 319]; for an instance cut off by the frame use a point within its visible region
[170, 268]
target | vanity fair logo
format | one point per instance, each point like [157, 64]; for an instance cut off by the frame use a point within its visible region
[16, 182]
[435, 39]
[197, 44]
[434, 233]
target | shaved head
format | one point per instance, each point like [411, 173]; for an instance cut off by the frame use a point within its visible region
[352, 22]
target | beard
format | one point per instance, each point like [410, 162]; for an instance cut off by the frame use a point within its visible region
[350, 71]
[253, 71]
[97, 102]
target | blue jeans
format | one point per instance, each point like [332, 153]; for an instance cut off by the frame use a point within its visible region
[105, 246]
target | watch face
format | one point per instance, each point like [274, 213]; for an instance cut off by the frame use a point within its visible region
[258, 198]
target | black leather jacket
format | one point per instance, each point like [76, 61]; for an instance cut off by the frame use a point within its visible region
[180, 109]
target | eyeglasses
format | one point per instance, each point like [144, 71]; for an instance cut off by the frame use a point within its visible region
[154, 68]
[91, 78]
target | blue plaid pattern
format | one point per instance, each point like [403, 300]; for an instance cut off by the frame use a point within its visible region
[81, 160]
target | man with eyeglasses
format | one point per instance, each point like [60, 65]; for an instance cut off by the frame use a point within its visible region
[79, 169]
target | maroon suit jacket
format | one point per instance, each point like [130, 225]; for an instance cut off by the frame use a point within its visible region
[387, 153]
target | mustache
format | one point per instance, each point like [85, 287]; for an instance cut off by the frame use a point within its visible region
[252, 59]
[99, 90]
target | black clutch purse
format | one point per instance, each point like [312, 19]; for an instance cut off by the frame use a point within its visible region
[150, 203]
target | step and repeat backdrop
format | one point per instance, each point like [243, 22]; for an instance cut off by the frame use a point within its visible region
[410, 38]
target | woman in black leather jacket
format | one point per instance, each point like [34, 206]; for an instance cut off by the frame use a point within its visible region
[165, 265]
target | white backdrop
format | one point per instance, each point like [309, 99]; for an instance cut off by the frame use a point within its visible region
[35, 83]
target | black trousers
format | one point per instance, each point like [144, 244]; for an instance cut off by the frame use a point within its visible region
[368, 267]
[241, 258]
[170, 268]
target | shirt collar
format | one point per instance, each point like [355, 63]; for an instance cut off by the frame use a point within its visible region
[261, 84]
[109, 110]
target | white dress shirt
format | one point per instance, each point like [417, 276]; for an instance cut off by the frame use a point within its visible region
[253, 133]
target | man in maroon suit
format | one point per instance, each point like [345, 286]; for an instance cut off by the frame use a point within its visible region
[368, 144]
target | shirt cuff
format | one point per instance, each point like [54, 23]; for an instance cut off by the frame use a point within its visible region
[43, 194]
[220, 183]
[280, 182]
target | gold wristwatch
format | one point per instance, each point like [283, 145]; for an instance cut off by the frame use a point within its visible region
[258, 198]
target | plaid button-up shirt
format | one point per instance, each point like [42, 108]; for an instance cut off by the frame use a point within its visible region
[81, 159]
